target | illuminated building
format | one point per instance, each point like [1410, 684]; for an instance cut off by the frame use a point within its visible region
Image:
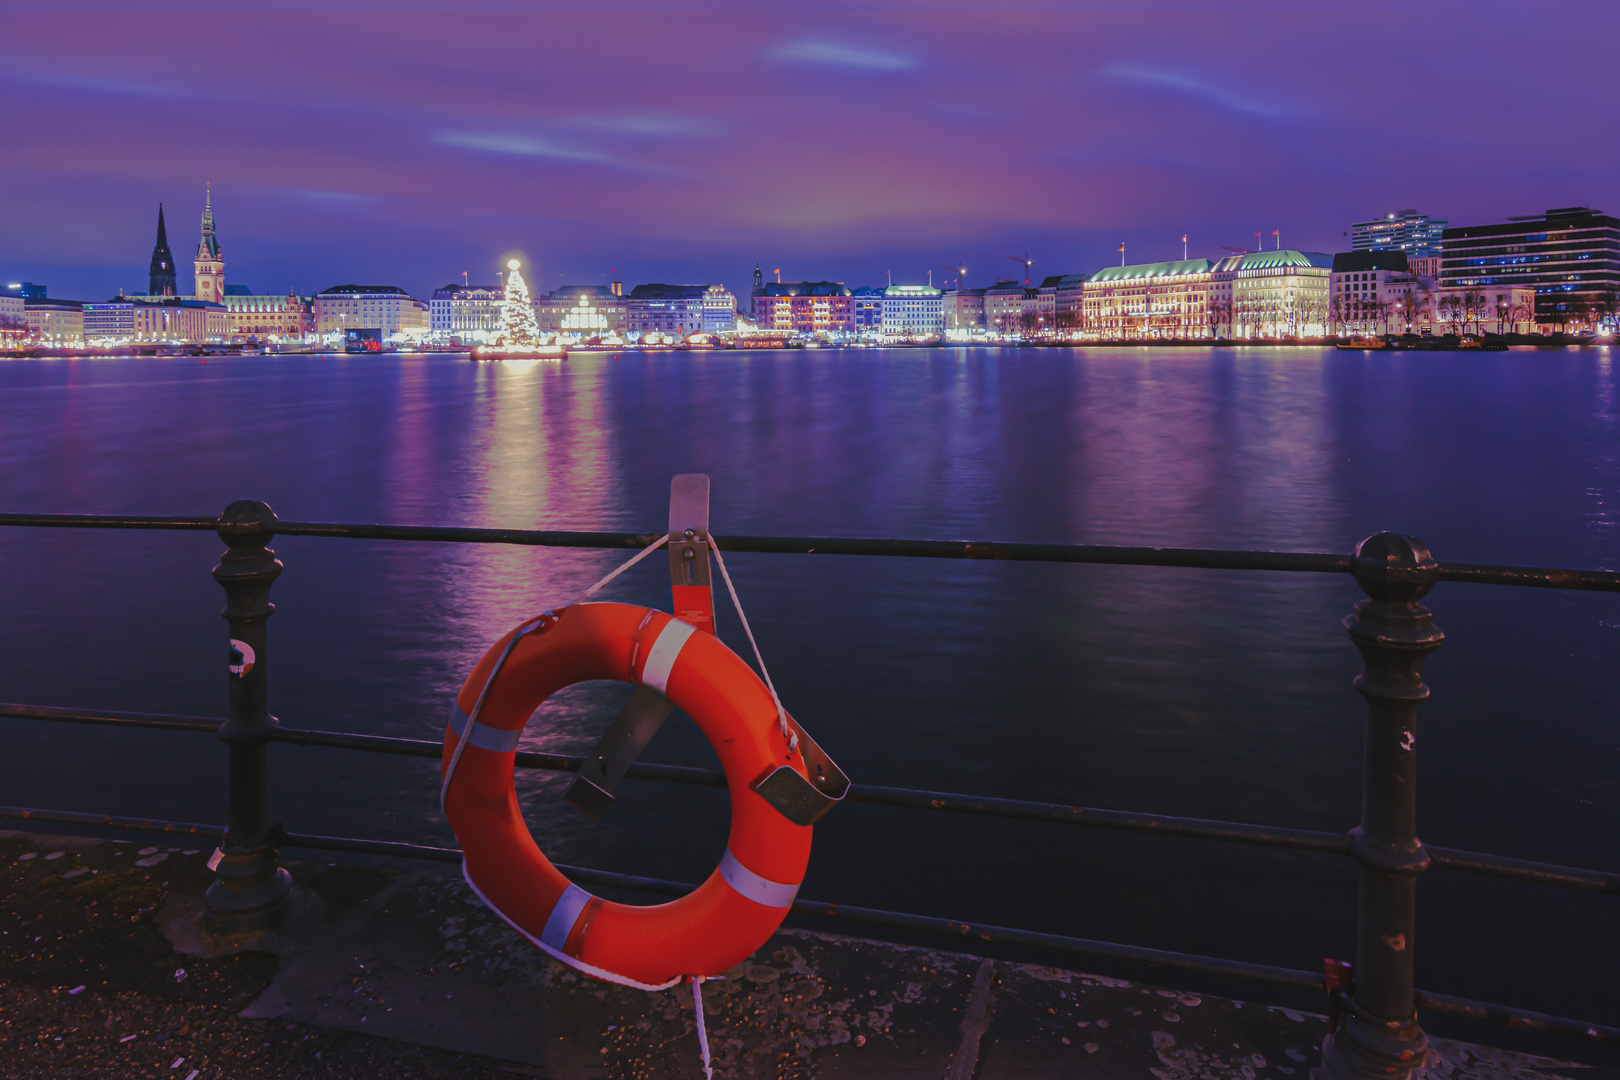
[170, 319]
[13, 315]
[1013, 308]
[582, 311]
[866, 311]
[1368, 291]
[1272, 294]
[161, 276]
[1063, 300]
[805, 307]
[54, 322]
[465, 313]
[210, 260]
[387, 308]
[1162, 299]
[913, 312]
[1570, 256]
[680, 309]
[964, 312]
[1408, 231]
[257, 317]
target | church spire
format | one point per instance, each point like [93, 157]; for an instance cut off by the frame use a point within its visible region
[161, 281]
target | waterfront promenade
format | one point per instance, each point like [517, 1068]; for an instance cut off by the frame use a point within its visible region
[105, 971]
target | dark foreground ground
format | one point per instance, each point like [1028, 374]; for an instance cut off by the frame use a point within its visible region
[104, 972]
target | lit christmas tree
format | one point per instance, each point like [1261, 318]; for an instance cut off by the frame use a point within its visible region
[518, 326]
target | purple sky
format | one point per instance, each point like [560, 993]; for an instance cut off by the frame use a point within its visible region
[404, 148]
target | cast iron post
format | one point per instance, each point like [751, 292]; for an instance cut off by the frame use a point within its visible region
[250, 892]
[1380, 1035]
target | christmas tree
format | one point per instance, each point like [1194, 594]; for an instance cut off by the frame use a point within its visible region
[518, 326]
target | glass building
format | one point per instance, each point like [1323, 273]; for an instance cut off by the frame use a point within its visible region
[1409, 231]
[1570, 256]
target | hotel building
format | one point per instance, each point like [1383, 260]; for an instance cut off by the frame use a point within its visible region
[912, 312]
[465, 313]
[1569, 256]
[805, 307]
[54, 322]
[1163, 299]
[1272, 294]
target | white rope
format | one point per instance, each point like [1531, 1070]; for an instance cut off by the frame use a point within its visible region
[472, 717]
[781, 713]
[703, 1034]
[646, 551]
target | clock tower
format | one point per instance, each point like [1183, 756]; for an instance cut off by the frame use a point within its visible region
[210, 261]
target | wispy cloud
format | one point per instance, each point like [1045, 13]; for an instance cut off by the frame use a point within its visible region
[519, 145]
[95, 84]
[1196, 87]
[832, 54]
[647, 125]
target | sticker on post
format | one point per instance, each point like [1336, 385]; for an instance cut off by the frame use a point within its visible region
[242, 658]
[216, 858]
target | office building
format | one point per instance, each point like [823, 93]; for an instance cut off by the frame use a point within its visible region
[681, 310]
[1407, 231]
[912, 312]
[386, 308]
[1569, 256]
[54, 322]
[168, 320]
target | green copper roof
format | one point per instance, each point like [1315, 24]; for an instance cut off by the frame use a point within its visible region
[1270, 260]
[1153, 270]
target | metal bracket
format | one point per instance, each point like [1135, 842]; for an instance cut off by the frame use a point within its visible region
[617, 750]
[689, 550]
[801, 801]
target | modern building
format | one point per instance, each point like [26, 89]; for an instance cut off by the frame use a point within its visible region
[387, 308]
[582, 311]
[1149, 300]
[258, 317]
[1570, 256]
[160, 281]
[681, 310]
[912, 312]
[1406, 231]
[25, 289]
[169, 319]
[464, 314]
[54, 322]
[210, 260]
[805, 307]
[1427, 266]
[1271, 294]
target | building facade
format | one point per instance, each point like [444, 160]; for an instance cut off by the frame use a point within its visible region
[1149, 300]
[1065, 295]
[582, 312]
[806, 307]
[866, 311]
[1408, 231]
[1569, 256]
[54, 322]
[13, 317]
[964, 313]
[464, 314]
[1272, 294]
[681, 310]
[255, 317]
[912, 312]
[1373, 291]
[386, 308]
[174, 320]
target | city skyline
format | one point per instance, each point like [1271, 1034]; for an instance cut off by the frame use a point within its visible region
[405, 151]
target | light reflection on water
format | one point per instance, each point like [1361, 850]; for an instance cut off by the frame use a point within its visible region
[1208, 693]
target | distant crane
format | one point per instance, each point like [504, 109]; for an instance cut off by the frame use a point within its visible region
[1027, 264]
[959, 271]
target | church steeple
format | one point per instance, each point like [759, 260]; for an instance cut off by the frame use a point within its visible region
[210, 260]
[162, 273]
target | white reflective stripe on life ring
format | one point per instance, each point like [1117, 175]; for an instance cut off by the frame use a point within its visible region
[563, 916]
[661, 657]
[485, 738]
[753, 887]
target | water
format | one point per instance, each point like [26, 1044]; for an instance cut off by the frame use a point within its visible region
[1205, 693]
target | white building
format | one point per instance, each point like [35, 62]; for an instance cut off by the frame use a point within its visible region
[465, 313]
[913, 312]
[387, 308]
[680, 310]
[13, 316]
[54, 322]
[1272, 294]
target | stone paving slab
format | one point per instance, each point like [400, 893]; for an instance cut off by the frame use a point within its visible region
[416, 958]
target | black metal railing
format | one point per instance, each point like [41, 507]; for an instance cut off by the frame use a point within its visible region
[1377, 1031]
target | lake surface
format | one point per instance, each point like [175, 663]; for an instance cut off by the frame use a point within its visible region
[1207, 693]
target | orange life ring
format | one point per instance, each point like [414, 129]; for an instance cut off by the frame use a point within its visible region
[725, 919]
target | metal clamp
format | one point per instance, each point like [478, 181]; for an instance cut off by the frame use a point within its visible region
[802, 801]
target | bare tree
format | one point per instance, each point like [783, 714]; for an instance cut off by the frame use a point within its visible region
[1453, 311]
[1409, 308]
[1474, 309]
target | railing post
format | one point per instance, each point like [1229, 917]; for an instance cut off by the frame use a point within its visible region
[250, 891]
[1380, 1035]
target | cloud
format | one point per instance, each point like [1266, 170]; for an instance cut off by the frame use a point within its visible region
[1188, 84]
[96, 84]
[830, 54]
[648, 125]
[518, 145]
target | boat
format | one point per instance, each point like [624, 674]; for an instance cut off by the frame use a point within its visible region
[1363, 343]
